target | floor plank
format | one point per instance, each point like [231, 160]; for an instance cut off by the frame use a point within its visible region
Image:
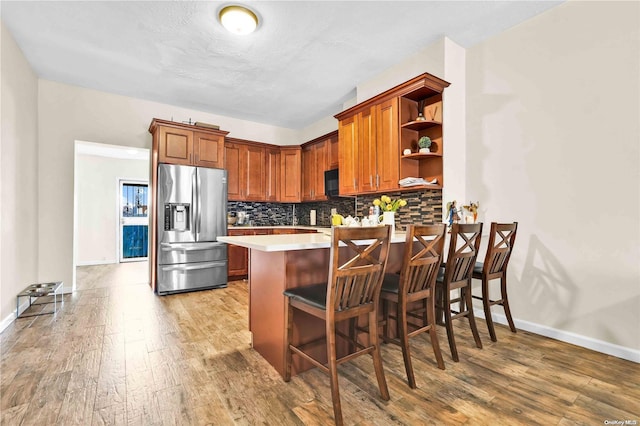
[116, 354]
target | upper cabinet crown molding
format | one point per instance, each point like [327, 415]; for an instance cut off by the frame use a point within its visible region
[374, 134]
[419, 87]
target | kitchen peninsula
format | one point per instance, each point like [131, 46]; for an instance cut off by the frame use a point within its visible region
[279, 262]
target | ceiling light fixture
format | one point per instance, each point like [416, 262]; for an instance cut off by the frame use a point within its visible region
[238, 19]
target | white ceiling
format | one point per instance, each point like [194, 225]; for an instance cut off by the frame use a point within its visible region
[303, 62]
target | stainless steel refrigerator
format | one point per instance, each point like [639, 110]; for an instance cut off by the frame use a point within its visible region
[192, 208]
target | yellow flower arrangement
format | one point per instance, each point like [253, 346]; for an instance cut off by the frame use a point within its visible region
[388, 205]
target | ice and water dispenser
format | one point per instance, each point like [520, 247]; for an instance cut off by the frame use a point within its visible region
[177, 217]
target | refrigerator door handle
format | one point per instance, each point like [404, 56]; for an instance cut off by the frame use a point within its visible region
[192, 266]
[190, 246]
[199, 202]
[194, 204]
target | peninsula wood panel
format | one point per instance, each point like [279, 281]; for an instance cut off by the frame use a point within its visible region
[270, 274]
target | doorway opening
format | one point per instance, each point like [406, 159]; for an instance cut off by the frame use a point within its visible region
[110, 216]
[133, 222]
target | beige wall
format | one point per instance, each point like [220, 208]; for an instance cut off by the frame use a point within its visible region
[553, 142]
[19, 174]
[97, 195]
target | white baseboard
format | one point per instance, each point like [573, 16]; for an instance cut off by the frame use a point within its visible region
[568, 337]
[96, 262]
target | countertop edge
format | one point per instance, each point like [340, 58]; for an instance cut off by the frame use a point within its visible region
[289, 242]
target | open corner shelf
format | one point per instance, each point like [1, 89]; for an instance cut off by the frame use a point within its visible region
[420, 125]
[418, 156]
[421, 187]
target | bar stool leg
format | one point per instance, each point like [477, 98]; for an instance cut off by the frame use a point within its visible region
[447, 321]
[404, 344]
[472, 318]
[333, 373]
[486, 303]
[431, 318]
[377, 358]
[505, 302]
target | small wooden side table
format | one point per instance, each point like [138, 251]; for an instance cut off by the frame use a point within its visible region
[34, 291]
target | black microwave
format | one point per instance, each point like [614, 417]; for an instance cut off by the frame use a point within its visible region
[331, 183]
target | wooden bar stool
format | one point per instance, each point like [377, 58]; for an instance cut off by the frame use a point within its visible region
[501, 240]
[353, 289]
[456, 275]
[416, 283]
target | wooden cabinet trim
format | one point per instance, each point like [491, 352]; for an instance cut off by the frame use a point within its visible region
[421, 85]
[330, 135]
[156, 122]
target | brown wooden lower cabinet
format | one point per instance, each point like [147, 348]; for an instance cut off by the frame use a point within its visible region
[237, 263]
[238, 257]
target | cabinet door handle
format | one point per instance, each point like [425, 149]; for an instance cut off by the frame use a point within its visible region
[377, 180]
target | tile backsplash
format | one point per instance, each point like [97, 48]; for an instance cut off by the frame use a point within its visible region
[423, 206]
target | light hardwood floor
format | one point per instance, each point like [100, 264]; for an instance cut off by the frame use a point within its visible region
[112, 275]
[121, 355]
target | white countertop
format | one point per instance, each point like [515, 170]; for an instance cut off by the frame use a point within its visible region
[288, 242]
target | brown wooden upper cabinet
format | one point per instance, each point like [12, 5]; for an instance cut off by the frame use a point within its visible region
[290, 159]
[314, 163]
[245, 164]
[318, 156]
[262, 172]
[334, 161]
[187, 144]
[272, 174]
[374, 134]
